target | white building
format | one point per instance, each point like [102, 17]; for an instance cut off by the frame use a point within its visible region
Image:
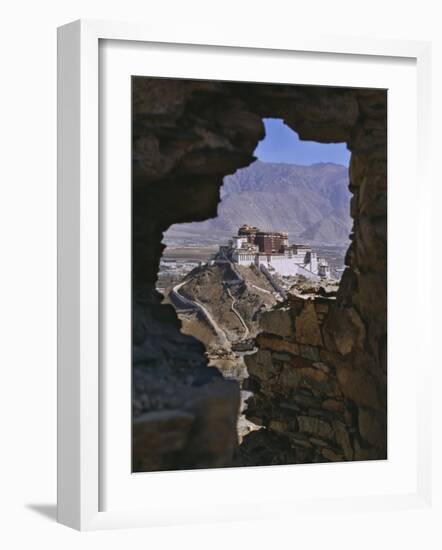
[324, 269]
[289, 264]
[273, 251]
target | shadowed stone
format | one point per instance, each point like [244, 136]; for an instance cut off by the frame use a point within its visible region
[278, 322]
[157, 434]
[188, 135]
[314, 426]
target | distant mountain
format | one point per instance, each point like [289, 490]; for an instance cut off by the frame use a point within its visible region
[310, 202]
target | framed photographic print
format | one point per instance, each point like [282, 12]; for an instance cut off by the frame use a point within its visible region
[234, 226]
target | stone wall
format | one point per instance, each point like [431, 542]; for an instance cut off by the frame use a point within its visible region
[187, 135]
[308, 394]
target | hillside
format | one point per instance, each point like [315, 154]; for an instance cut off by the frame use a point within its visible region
[310, 202]
[217, 289]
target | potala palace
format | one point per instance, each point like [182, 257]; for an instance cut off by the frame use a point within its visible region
[272, 251]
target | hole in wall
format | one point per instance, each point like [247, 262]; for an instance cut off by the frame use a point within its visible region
[282, 227]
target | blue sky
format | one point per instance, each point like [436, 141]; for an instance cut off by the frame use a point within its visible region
[281, 144]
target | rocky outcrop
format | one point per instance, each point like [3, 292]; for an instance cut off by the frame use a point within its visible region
[187, 135]
[183, 410]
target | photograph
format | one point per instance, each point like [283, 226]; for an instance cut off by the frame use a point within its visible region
[220, 279]
[259, 274]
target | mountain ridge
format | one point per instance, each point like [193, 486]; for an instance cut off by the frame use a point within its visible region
[311, 202]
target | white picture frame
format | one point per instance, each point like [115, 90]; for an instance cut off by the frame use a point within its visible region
[79, 432]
